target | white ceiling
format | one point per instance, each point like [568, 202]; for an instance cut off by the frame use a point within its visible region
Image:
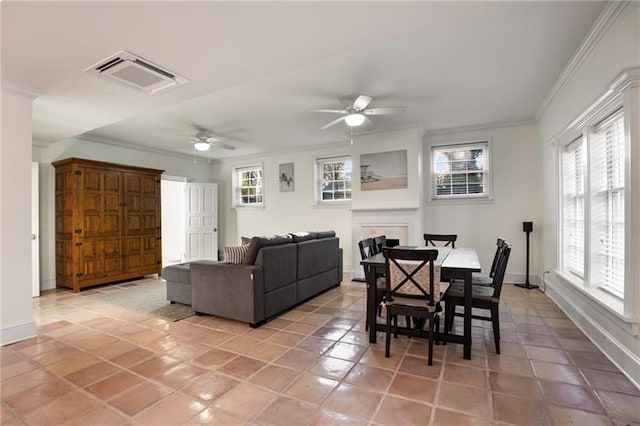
[258, 69]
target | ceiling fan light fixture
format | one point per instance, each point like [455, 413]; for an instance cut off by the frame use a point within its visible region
[202, 146]
[354, 120]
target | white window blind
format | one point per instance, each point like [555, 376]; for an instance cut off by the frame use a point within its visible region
[460, 171]
[573, 208]
[607, 204]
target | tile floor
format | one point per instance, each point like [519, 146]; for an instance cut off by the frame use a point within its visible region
[97, 364]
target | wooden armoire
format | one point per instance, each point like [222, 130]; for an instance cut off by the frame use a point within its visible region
[107, 222]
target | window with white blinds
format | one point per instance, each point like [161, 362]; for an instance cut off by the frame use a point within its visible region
[460, 171]
[607, 155]
[573, 208]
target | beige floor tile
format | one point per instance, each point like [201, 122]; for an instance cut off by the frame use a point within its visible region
[28, 380]
[452, 418]
[317, 345]
[111, 386]
[333, 368]
[413, 387]
[274, 377]
[394, 411]
[180, 375]
[354, 401]
[519, 411]
[245, 401]
[267, 351]
[557, 372]
[212, 416]
[174, 409]
[470, 400]
[539, 353]
[462, 375]
[139, 397]
[571, 396]
[331, 418]
[376, 358]
[38, 396]
[621, 405]
[71, 406]
[311, 388]
[347, 351]
[511, 384]
[297, 359]
[209, 387]
[241, 367]
[369, 377]
[287, 411]
[607, 380]
[92, 374]
[155, 366]
[420, 367]
[132, 357]
[569, 416]
[214, 358]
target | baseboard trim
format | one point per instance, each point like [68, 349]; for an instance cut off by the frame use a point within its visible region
[577, 308]
[17, 332]
[47, 284]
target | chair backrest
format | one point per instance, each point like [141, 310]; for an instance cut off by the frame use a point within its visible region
[496, 257]
[501, 269]
[411, 273]
[366, 248]
[449, 239]
[379, 242]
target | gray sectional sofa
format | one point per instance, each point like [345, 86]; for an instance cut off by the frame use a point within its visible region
[277, 273]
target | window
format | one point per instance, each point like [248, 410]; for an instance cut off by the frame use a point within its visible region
[573, 208]
[335, 179]
[593, 226]
[248, 186]
[460, 171]
[607, 203]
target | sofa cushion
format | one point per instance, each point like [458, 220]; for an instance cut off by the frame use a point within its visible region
[245, 240]
[235, 254]
[299, 237]
[325, 234]
[258, 242]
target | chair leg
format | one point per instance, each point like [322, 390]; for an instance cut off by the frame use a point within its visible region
[495, 320]
[431, 324]
[387, 342]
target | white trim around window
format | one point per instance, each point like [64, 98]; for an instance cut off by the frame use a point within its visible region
[248, 186]
[334, 183]
[599, 194]
[460, 172]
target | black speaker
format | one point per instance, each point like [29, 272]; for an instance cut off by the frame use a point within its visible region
[528, 228]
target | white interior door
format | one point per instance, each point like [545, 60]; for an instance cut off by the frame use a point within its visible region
[35, 231]
[173, 211]
[201, 202]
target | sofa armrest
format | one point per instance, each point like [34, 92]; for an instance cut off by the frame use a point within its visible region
[228, 290]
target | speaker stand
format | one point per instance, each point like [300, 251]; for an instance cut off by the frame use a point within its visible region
[527, 285]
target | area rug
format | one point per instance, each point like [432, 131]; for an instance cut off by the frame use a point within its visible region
[147, 298]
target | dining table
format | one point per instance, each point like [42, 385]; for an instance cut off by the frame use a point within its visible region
[455, 263]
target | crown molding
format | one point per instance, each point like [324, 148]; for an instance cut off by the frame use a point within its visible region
[626, 79]
[479, 127]
[137, 147]
[607, 17]
[21, 89]
[342, 146]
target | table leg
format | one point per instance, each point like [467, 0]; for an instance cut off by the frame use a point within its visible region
[467, 314]
[370, 276]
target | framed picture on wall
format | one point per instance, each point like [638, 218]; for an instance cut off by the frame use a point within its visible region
[285, 176]
[383, 170]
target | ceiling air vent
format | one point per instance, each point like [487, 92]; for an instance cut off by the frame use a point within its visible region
[134, 71]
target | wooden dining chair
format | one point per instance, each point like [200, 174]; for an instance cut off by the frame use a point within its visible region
[482, 298]
[367, 249]
[412, 290]
[448, 239]
[487, 279]
[379, 242]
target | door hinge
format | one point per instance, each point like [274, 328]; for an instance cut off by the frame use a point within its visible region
[78, 231]
[79, 274]
[78, 244]
[77, 172]
[158, 262]
[158, 238]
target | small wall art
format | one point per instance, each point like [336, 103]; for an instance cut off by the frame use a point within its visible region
[285, 176]
[383, 170]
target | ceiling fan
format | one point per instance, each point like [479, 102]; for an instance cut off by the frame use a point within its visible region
[203, 141]
[356, 114]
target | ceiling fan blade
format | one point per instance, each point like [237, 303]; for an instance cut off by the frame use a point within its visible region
[361, 102]
[333, 123]
[335, 111]
[384, 111]
[223, 146]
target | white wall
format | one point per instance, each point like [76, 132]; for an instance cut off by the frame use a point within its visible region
[618, 48]
[202, 171]
[283, 211]
[515, 171]
[16, 319]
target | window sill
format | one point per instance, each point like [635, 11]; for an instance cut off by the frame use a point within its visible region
[460, 201]
[249, 207]
[334, 205]
[602, 298]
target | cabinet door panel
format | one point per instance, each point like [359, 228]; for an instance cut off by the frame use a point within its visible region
[100, 202]
[141, 204]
